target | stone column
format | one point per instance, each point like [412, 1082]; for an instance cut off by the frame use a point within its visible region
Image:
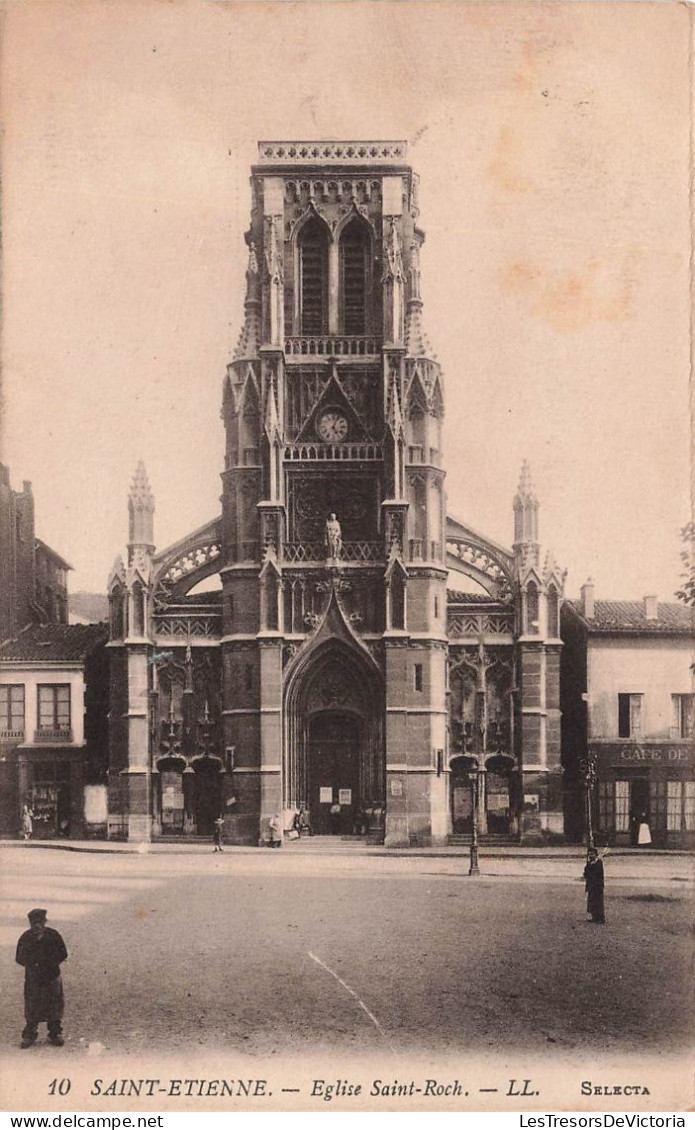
[137, 772]
[270, 767]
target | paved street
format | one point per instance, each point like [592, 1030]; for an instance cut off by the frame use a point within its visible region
[273, 952]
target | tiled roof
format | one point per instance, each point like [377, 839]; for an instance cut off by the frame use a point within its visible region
[53, 642]
[60, 561]
[454, 597]
[628, 616]
[214, 596]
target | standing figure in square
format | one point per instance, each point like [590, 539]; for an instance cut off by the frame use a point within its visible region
[594, 884]
[41, 951]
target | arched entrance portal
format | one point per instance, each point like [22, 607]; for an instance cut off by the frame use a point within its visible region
[171, 795]
[189, 796]
[461, 795]
[334, 744]
[499, 795]
[333, 773]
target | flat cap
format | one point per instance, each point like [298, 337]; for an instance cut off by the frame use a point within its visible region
[37, 915]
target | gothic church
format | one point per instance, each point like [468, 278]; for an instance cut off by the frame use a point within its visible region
[334, 669]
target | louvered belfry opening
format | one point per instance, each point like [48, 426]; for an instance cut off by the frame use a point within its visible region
[354, 262]
[313, 267]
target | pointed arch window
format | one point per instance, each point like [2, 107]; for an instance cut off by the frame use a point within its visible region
[116, 614]
[532, 609]
[137, 627]
[313, 278]
[354, 277]
[553, 618]
[397, 600]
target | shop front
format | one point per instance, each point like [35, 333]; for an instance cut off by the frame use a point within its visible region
[645, 793]
[51, 786]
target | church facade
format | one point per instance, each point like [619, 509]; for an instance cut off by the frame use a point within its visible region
[335, 669]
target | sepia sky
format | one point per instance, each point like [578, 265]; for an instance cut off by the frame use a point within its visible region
[552, 146]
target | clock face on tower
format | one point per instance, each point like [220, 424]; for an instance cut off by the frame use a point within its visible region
[331, 426]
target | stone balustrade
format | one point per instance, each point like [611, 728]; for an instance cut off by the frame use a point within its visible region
[331, 346]
[53, 734]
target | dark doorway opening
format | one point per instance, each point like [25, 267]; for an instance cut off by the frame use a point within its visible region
[639, 806]
[207, 796]
[498, 798]
[171, 798]
[334, 774]
[461, 796]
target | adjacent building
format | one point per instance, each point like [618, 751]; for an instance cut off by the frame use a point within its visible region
[53, 730]
[333, 669]
[33, 577]
[628, 710]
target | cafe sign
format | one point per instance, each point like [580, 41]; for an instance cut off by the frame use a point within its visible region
[636, 753]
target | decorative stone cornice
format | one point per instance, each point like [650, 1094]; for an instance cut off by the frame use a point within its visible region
[332, 152]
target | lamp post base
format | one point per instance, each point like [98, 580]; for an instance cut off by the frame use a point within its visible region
[474, 868]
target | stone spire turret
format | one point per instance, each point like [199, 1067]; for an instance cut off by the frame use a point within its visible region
[140, 516]
[416, 342]
[526, 516]
[250, 337]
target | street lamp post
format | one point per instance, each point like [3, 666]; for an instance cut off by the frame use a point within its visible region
[474, 869]
[588, 767]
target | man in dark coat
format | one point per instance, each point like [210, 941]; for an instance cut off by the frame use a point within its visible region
[593, 882]
[41, 950]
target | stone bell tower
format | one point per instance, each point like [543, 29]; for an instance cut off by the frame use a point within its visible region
[333, 524]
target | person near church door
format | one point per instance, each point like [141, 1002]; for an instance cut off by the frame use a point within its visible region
[27, 822]
[334, 819]
[276, 831]
[303, 823]
[644, 835]
[594, 884]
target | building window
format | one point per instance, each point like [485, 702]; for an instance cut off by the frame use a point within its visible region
[689, 806]
[354, 267]
[622, 806]
[680, 806]
[418, 676]
[54, 706]
[436, 607]
[629, 715]
[682, 715]
[606, 806]
[674, 790]
[12, 709]
[313, 278]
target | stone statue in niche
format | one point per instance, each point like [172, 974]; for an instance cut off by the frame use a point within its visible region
[334, 537]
